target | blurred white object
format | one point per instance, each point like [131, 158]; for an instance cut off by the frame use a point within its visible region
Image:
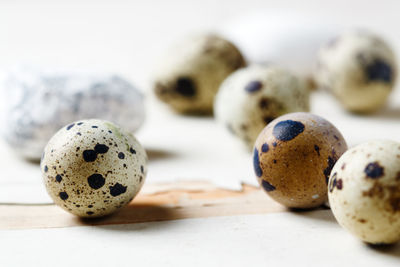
[287, 39]
[38, 102]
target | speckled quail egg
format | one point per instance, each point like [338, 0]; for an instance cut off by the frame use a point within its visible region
[38, 102]
[359, 68]
[364, 191]
[293, 157]
[252, 97]
[190, 74]
[93, 167]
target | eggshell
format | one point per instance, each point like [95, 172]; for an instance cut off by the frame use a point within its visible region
[364, 191]
[189, 75]
[359, 68]
[252, 97]
[37, 102]
[293, 157]
[91, 168]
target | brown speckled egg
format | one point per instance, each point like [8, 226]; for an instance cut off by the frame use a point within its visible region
[91, 168]
[293, 157]
[364, 191]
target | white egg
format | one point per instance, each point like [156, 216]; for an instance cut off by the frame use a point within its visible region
[91, 168]
[364, 191]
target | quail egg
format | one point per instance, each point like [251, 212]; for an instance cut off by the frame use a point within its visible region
[38, 102]
[189, 76]
[359, 68]
[252, 97]
[364, 191]
[93, 167]
[293, 158]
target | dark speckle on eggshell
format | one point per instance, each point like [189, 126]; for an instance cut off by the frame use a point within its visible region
[133, 151]
[89, 155]
[63, 195]
[117, 189]
[379, 70]
[58, 178]
[101, 149]
[267, 186]
[185, 87]
[253, 86]
[287, 130]
[339, 184]
[121, 155]
[263, 103]
[46, 169]
[70, 126]
[96, 181]
[264, 148]
[316, 148]
[256, 163]
[374, 170]
[328, 169]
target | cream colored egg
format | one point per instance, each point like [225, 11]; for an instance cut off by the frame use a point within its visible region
[364, 191]
[252, 97]
[91, 168]
[359, 68]
[189, 75]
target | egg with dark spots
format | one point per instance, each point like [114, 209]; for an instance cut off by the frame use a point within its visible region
[41, 101]
[189, 75]
[365, 194]
[302, 149]
[83, 179]
[252, 97]
[360, 69]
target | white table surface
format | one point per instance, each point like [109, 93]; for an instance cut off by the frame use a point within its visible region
[127, 37]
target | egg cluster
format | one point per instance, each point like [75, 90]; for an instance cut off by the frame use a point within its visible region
[93, 167]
